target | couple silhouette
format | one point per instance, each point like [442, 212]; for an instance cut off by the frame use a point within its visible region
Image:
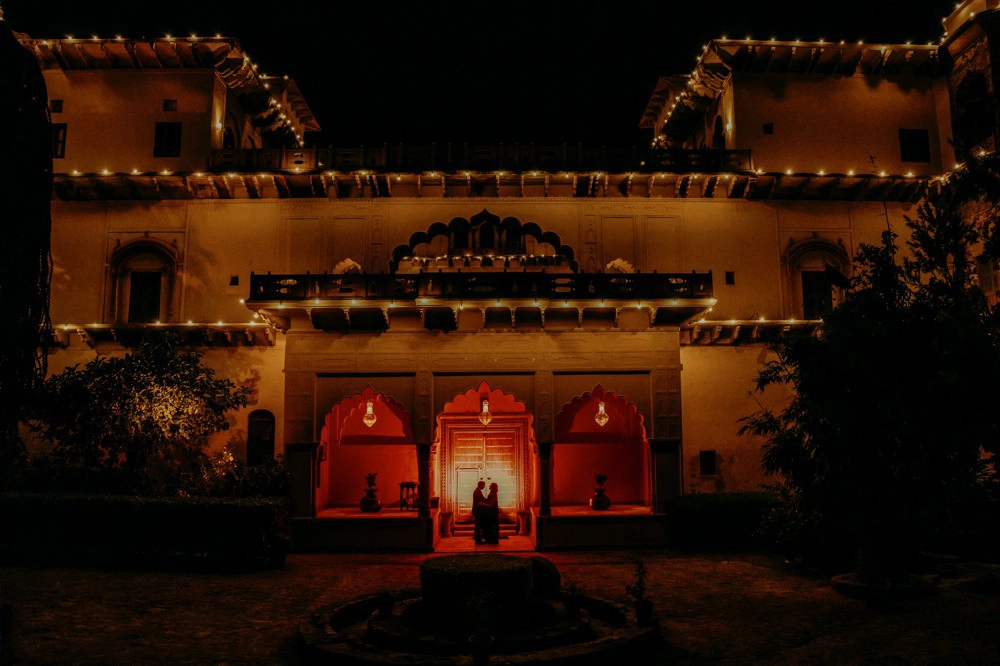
[486, 513]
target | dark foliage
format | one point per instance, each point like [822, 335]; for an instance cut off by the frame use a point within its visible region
[221, 475]
[26, 261]
[218, 475]
[115, 531]
[894, 402]
[147, 414]
[720, 521]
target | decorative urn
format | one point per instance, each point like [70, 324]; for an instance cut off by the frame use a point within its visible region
[600, 501]
[370, 503]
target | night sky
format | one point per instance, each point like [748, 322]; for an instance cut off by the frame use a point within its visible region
[513, 71]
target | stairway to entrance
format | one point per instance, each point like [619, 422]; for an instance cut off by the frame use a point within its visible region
[466, 530]
[465, 544]
[461, 541]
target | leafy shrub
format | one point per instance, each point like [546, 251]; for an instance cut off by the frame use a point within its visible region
[149, 413]
[144, 531]
[217, 475]
[222, 475]
[804, 535]
[50, 474]
[723, 521]
[969, 528]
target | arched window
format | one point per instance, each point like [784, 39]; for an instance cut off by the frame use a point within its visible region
[143, 276]
[228, 139]
[260, 437]
[817, 272]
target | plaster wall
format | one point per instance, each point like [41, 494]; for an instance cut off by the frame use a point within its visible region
[222, 242]
[343, 483]
[574, 467]
[716, 385]
[262, 369]
[114, 112]
[837, 124]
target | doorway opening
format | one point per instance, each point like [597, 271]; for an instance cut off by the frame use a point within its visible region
[494, 444]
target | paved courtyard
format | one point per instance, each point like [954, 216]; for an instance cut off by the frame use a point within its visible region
[737, 609]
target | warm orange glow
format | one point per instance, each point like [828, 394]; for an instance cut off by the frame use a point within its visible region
[369, 418]
[602, 416]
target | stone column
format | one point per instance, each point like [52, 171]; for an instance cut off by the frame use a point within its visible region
[300, 459]
[544, 478]
[424, 479]
[667, 472]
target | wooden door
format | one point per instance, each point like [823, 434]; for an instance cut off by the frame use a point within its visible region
[492, 457]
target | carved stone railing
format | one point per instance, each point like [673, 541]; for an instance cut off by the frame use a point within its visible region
[458, 286]
[459, 157]
[676, 160]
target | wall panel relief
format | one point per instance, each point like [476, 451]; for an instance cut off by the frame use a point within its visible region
[618, 239]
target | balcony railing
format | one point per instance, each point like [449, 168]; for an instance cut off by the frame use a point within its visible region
[677, 160]
[348, 289]
[451, 157]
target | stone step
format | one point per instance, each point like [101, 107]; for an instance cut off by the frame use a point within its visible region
[467, 530]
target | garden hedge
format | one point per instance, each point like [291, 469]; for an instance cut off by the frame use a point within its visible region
[720, 521]
[117, 530]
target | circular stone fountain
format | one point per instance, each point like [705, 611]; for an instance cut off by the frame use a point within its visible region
[479, 609]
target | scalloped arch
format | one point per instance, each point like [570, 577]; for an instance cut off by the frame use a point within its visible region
[506, 231]
[470, 402]
[501, 404]
[343, 424]
[166, 250]
[799, 251]
[575, 421]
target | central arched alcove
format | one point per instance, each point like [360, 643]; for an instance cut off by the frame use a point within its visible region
[817, 272]
[144, 273]
[485, 434]
[600, 432]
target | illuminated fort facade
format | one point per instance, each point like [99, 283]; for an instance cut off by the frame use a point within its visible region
[534, 315]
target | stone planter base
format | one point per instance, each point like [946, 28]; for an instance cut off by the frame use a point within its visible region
[888, 591]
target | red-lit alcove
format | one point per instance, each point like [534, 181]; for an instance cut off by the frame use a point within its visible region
[509, 454]
[583, 448]
[350, 450]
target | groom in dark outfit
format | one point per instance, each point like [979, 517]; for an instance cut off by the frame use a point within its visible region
[478, 505]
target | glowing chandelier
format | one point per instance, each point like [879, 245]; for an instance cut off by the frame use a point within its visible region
[601, 416]
[369, 418]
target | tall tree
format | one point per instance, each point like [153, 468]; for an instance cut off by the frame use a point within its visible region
[148, 413]
[25, 216]
[894, 402]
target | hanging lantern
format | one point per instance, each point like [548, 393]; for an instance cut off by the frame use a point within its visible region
[369, 418]
[484, 416]
[601, 416]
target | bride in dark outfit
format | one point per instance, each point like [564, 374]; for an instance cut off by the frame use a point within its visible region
[491, 516]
